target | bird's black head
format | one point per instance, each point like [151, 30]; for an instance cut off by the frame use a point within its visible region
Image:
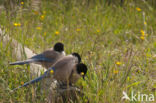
[78, 56]
[59, 47]
[81, 69]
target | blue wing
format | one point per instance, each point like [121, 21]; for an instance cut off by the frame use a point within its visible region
[37, 79]
[41, 57]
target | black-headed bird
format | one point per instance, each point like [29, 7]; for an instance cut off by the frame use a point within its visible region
[67, 70]
[46, 58]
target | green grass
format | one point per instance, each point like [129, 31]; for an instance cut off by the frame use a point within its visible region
[102, 34]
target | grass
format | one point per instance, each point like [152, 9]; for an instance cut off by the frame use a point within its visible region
[102, 34]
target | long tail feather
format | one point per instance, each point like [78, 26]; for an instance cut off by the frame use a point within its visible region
[22, 62]
[36, 79]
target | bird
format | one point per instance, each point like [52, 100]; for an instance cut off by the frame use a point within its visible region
[46, 58]
[67, 70]
[65, 67]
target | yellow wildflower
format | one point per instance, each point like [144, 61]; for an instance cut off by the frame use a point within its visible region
[118, 63]
[138, 9]
[17, 24]
[57, 32]
[38, 28]
[97, 30]
[142, 37]
[145, 22]
[45, 34]
[36, 12]
[78, 29]
[42, 17]
[51, 72]
[22, 83]
[22, 2]
[142, 32]
[116, 71]
[82, 73]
